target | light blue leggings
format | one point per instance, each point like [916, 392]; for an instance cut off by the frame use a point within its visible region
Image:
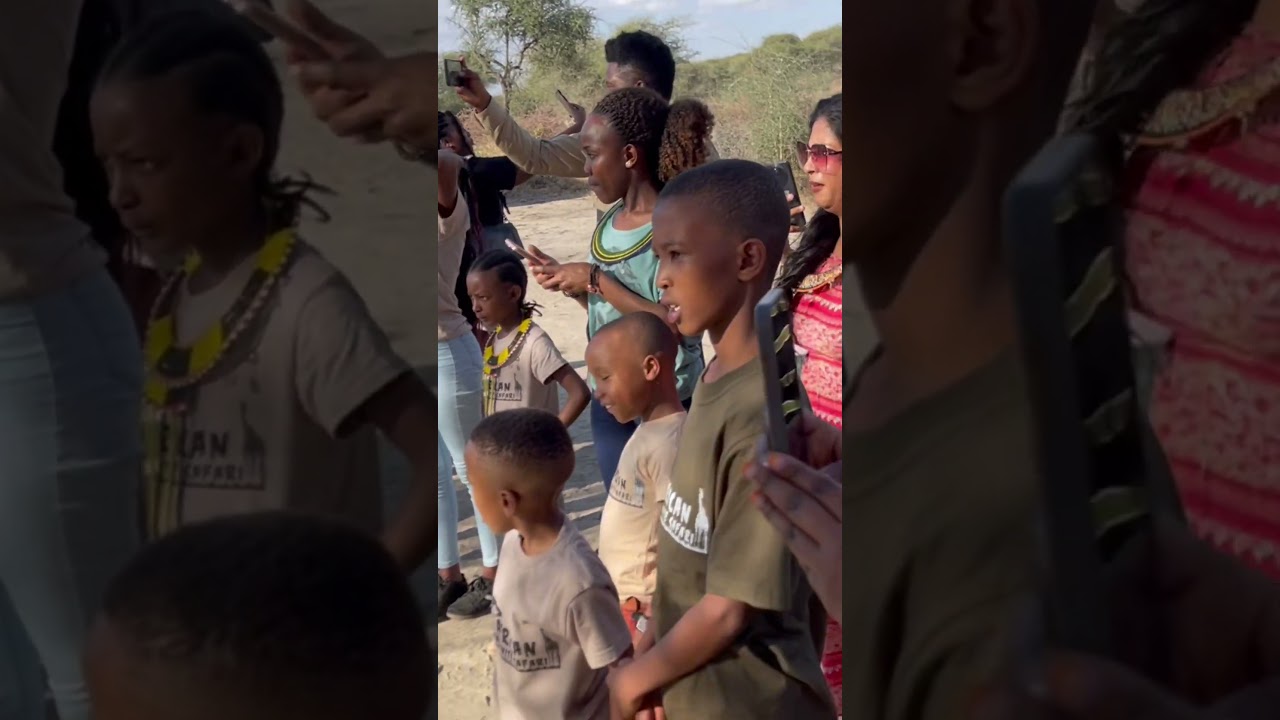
[70, 457]
[459, 408]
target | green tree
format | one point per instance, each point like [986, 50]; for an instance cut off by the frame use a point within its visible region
[504, 38]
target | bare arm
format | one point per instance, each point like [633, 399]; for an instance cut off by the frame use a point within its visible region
[699, 637]
[405, 412]
[578, 392]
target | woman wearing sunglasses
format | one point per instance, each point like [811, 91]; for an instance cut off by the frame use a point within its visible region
[813, 274]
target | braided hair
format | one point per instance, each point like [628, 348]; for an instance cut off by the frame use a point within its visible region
[229, 74]
[510, 271]
[671, 137]
[823, 230]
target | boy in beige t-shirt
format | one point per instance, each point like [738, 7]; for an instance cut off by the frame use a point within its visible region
[633, 360]
[558, 632]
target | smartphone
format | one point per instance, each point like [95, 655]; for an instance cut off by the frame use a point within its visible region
[564, 101]
[1101, 479]
[514, 247]
[283, 29]
[788, 181]
[453, 72]
[783, 396]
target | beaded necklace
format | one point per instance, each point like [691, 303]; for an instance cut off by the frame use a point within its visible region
[605, 257]
[493, 364]
[173, 372]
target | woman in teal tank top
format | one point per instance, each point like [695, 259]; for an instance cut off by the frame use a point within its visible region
[635, 142]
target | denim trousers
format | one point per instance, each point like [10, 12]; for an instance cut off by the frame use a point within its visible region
[459, 404]
[70, 461]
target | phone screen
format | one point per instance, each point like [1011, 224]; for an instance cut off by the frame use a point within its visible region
[788, 181]
[453, 73]
[783, 395]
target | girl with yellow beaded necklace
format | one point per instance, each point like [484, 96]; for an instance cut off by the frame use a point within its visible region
[522, 367]
[265, 375]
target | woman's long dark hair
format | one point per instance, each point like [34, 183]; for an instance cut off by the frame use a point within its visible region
[1160, 47]
[823, 230]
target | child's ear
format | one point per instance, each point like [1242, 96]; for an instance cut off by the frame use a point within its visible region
[510, 500]
[752, 258]
[652, 368]
[245, 147]
[514, 291]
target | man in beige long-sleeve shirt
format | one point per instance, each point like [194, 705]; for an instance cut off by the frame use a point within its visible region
[635, 59]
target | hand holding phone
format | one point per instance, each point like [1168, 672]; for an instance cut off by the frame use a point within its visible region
[564, 101]
[528, 256]
[453, 73]
[281, 28]
[788, 181]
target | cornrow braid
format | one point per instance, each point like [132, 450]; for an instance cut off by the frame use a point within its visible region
[671, 137]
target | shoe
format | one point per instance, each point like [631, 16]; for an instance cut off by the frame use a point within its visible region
[476, 602]
[447, 593]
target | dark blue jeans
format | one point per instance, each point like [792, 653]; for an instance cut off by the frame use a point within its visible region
[610, 436]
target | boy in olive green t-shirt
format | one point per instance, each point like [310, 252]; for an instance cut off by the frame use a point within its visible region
[731, 636]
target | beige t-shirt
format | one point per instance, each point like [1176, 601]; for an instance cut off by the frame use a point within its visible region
[525, 380]
[715, 542]
[42, 244]
[629, 523]
[450, 322]
[558, 629]
[270, 429]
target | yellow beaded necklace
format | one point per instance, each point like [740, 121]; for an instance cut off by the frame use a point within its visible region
[492, 364]
[173, 370]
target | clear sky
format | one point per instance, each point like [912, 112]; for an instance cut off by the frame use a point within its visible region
[716, 28]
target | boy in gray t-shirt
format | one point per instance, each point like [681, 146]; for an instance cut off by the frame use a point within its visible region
[558, 631]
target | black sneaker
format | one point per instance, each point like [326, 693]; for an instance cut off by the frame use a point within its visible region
[477, 601]
[447, 593]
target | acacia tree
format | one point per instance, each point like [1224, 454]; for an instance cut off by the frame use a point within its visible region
[505, 37]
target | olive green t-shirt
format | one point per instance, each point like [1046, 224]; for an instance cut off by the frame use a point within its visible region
[713, 541]
[939, 512]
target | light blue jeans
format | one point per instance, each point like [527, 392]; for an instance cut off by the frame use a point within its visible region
[460, 410]
[70, 460]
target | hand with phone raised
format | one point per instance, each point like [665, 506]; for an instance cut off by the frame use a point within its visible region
[471, 87]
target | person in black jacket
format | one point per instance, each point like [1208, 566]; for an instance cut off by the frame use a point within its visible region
[490, 178]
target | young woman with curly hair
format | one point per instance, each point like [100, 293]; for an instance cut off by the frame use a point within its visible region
[635, 142]
[1187, 92]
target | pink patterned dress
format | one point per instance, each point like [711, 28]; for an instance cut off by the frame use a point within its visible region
[1203, 253]
[818, 318]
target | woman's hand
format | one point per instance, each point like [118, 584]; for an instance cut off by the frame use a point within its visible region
[568, 278]
[341, 42]
[394, 98]
[472, 90]
[805, 506]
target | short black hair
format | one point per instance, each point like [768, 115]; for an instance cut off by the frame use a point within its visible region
[524, 437]
[227, 73]
[646, 333]
[278, 610]
[741, 195]
[648, 55]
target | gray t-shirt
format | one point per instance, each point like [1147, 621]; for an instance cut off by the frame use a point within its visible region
[525, 380]
[558, 629]
[267, 431]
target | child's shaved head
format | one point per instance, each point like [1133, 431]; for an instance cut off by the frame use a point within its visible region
[641, 334]
[272, 616]
[533, 441]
